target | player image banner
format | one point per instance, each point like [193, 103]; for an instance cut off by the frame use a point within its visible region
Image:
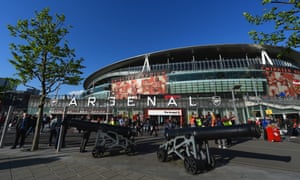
[153, 84]
[282, 83]
[296, 84]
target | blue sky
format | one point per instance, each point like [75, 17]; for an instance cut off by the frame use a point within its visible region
[107, 31]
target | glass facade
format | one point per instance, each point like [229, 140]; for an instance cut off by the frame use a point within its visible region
[206, 76]
[216, 86]
[217, 82]
[197, 83]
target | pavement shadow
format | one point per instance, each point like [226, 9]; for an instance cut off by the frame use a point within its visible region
[149, 145]
[224, 156]
[21, 162]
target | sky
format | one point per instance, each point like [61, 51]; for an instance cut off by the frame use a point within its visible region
[108, 31]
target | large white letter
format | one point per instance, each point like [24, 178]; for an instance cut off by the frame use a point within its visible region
[172, 101]
[73, 102]
[91, 100]
[130, 101]
[264, 55]
[191, 104]
[153, 102]
[112, 101]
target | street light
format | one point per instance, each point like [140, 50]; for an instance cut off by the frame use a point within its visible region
[107, 106]
[235, 87]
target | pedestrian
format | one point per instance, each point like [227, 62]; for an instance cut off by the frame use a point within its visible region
[198, 121]
[153, 126]
[85, 136]
[21, 129]
[138, 126]
[221, 142]
[44, 122]
[146, 126]
[2, 119]
[112, 121]
[265, 123]
[167, 125]
[53, 130]
[192, 120]
[31, 124]
[227, 122]
[59, 124]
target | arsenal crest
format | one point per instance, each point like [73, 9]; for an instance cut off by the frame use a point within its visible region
[216, 100]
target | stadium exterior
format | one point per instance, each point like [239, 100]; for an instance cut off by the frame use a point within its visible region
[247, 80]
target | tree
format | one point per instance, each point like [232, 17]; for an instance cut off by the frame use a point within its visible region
[284, 15]
[9, 84]
[46, 56]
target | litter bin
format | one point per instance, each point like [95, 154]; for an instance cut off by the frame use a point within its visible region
[273, 134]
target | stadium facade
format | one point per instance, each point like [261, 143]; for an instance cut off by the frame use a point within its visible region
[240, 79]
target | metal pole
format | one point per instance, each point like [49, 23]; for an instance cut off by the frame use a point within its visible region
[61, 132]
[107, 106]
[258, 101]
[106, 111]
[10, 110]
[234, 107]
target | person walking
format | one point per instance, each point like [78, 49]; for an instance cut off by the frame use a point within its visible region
[221, 141]
[85, 137]
[153, 126]
[227, 122]
[31, 125]
[21, 129]
[53, 130]
[198, 121]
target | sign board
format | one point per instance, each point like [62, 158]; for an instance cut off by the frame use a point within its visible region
[269, 111]
[164, 112]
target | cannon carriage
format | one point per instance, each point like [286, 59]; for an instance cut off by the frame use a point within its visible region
[109, 138]
[191, 144]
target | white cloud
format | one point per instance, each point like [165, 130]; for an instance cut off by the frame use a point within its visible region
[76, 93]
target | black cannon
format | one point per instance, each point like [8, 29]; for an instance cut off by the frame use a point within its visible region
[191, 144]
[80, 124]
[109, 138]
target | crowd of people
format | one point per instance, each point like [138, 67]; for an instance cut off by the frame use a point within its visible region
[26, 124]
[213, 120]
[149, 126]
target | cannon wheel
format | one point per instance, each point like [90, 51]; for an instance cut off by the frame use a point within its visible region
[162, 155]
[191, 165]
[98, 152]
[212, 164]
[131, 149]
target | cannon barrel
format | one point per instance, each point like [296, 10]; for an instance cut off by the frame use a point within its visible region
[84, 125]
[124, 131]
[218, 132]
[90, 126]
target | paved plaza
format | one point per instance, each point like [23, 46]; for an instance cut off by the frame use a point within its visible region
[246, 159]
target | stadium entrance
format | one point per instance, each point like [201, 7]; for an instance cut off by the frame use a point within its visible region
[161, 115]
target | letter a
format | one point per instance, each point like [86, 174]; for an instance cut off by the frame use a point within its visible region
[172, 101]
[73, 102]
[265, 56]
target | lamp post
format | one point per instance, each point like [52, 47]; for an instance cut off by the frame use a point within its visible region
[235, 87]
[107, 106]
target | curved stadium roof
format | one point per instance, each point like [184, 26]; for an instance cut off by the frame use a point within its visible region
[199, 53]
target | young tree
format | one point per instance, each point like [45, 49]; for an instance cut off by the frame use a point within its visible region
[44, 55]
[284, 15]
[9, 84]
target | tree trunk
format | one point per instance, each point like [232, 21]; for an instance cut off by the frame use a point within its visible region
[36, 138]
